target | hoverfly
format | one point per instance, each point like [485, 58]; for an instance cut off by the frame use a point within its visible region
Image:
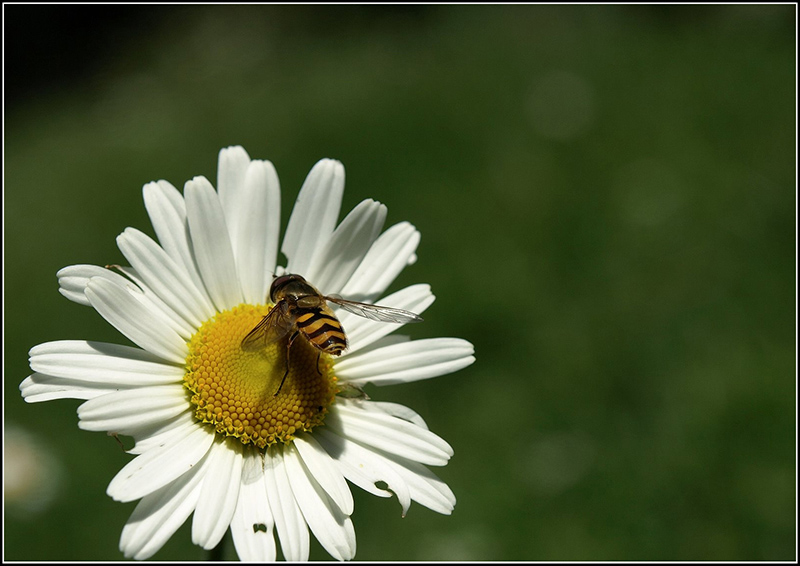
[302, 310]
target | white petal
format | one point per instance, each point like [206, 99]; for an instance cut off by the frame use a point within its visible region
[333, 529]
[425, 487]
[325, 472]
[289, 522]
[73, 279]
[163, 464]
[231, 169]
[253, 218]
[219, 494]
[135, 321]
[314, 215]
[403, 363]
[399, 411]
[389, 340]
[39, 387]
[336, 260]
[160, 514]
[111, 365]
[211, 243]
[167, 211]
[252, 524]
[361, 332]
[149, 438]
[384, 261]
[155, 304]
[166, 278]
[388, 434]
[364, 468]
[126, 411]
[408, 480]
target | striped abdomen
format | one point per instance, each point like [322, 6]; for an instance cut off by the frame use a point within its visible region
[321, 327]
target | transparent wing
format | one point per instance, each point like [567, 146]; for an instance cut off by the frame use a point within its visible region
[272, 328]
[375, 312]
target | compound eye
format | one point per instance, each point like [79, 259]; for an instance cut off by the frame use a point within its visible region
[278, 283]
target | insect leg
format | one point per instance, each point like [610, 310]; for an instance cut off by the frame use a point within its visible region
[116, 437]
[319, 354]
[288, 349]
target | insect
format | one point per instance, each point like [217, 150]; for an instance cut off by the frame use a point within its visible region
[302, 310]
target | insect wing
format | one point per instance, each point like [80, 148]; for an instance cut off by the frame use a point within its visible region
[376, 312]
[272, 328]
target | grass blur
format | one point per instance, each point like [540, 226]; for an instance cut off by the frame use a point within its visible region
[607, 200]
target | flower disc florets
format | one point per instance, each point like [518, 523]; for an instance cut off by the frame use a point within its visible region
[235, 389]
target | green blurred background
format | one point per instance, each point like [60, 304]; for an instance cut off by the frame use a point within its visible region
[606, 197]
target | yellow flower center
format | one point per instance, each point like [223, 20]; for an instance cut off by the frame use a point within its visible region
[235, 390]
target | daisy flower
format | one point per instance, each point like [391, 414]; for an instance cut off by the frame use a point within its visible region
[215, 435]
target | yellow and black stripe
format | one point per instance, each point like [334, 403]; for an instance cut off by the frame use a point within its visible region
[321, 327]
